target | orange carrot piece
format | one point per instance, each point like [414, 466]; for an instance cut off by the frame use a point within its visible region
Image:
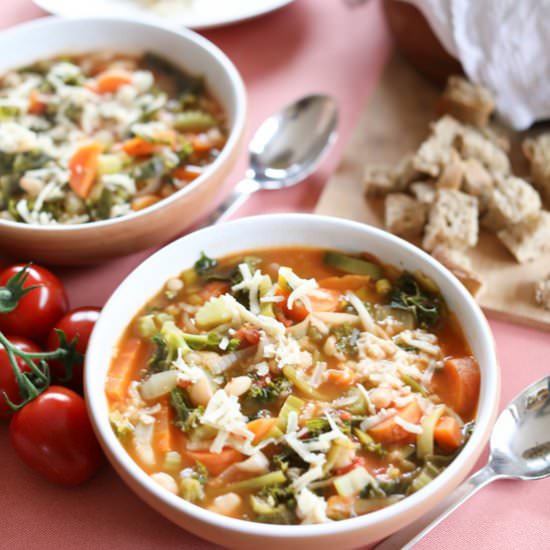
[389, 431]
[188, 172]
[110, 81]
[447, 434]
[139, 147]
[322, 299]
[345, 282]
[457, 384]
[83, 168]
[36, 105]
[139, 203]
[202, 143]
[163, 428]
[340, 378]
[216, 463]
[261, 427]
[120, 373]
[213, 289]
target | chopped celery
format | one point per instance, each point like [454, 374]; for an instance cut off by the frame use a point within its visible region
[339, 452]
[425, 440]
[267, 513]
[353, 482]
[189, 277]
[175, 340]
[172, 460]
[147, 326]
[194, 121]
[121, 425]
[271, 478]
[366, 505]
[383, 286]
[350, 264]
[191, 489]
[214, 312]
[266, 308]
[292, 403]
[109, 164]
[368, 443]
[303, 385]
[414, 384]
[428, 473]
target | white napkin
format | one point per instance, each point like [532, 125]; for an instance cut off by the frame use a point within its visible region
[502, 44]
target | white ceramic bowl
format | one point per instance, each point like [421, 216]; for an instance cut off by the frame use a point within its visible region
[270, 231]
[158, 224]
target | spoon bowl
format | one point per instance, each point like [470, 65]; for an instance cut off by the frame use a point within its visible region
[285, 150]
[520, 442]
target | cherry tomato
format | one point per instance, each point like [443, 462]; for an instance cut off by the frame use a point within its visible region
[77, 323]
[39, 309]
[53, 435]
[8, 382]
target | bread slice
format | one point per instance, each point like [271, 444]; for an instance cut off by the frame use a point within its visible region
[477, 182]
[404, 215]
[467, 102]
[452, 221]
[471, 144]
[529, 239]
[537, 152]
[460, 266]
[423, 191]
[542, 292]
[513, 200]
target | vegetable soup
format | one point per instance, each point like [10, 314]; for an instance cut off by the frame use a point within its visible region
[293, 385]
[98, 136]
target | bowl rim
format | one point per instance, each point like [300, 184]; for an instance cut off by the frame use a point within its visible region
[235, 132]
[122, 461]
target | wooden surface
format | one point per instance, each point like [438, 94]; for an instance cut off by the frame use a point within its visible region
[394, 122]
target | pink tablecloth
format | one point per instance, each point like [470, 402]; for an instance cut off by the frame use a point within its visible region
[309, 46]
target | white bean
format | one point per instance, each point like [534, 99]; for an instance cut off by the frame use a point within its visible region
[32, 186]
[238, 386]
[381, 397]
[227, 505]
[174, 284]
[200, 392]
[165, 480]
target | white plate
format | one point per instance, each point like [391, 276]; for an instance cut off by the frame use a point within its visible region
[195, 14]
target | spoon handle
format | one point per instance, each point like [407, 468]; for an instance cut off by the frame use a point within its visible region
[233, 202]
[407, 537]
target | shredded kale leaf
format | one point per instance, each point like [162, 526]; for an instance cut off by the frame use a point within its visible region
[270, 391]
[346, 339]
[159, 360]
[406, 294]
[186, 417]
[205, 264]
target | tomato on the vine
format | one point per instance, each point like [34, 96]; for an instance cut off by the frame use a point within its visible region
[79, 324]
[53, 435]
[8, 381]
[37, 309]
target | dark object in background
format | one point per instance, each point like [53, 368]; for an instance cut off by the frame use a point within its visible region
[418, 43]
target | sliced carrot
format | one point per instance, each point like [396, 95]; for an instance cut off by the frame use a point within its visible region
[163, 428]
[110, 81]
[213, 289]
[457, 384]
[261, 427]
[447, 434]
[188, 172]
[83, 168]
[139, 147]
[216, 463]
[345, 282]
[389, 431]
[321, 299]
[120, 373]
[340, 378]
[139, 203]
[36, 105]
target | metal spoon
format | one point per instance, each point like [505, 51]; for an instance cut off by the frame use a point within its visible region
[520, 449]
[285, 149]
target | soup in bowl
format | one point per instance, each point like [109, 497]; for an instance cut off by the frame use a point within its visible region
[302, 379]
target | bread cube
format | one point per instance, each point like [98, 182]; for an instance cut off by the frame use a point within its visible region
[467, 102]
[529, 239]
[460, 266]
[537, 152]
[513, 200]
[542, 292]
[452, 221]
[477, 182]
[472, 144]
[423, 191]
[404, 215]
[379, 181]
[451, 174]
